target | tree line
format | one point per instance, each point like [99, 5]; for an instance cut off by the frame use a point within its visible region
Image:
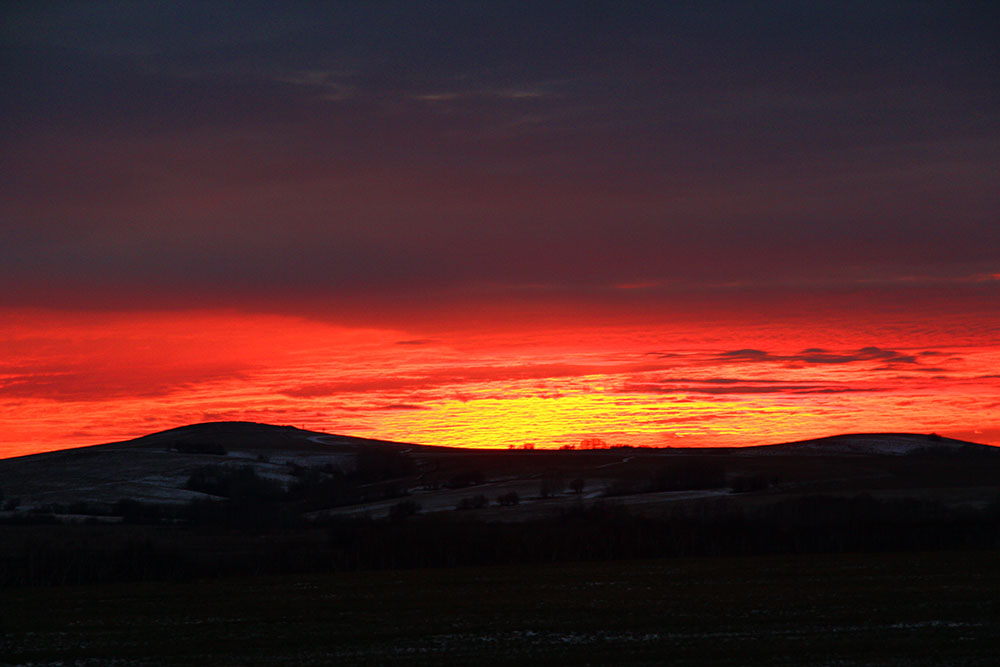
[54, 555]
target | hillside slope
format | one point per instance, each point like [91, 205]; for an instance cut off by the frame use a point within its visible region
[156, 467]
[890, 444]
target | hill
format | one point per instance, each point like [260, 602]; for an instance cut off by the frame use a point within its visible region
[890, 444]
[156, 468]
[314, 475]
[236, 498]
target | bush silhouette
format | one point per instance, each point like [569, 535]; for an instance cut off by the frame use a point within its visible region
[475, 502]
[508, 499]
[403, 509]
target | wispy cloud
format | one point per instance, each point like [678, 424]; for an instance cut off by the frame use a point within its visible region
[468, 89]
[332, 84]
[441, 377]
[816, 355]
[754, 387]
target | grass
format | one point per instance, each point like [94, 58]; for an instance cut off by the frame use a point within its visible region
[885, 609]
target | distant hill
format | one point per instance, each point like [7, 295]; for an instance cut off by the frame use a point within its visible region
[319, 471]
[156, 467]
[254, 437]
[889, 444]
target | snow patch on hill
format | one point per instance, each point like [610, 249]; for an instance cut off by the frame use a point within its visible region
[887, 444]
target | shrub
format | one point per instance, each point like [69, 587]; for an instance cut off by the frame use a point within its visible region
[475, 502]
[133, 511]
[684, 475]
[376, 465]
[749, 483]
[466, 478]
[508, 499]
[242, 483]
[552, 483]
[403, 509]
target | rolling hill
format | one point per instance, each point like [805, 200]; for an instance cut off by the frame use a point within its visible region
[155, 468]
[321, 474]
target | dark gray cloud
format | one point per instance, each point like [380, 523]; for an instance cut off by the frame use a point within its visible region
[748, 387]
[158, 153]
[815, 355]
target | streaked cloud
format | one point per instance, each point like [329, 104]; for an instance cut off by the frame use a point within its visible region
[817, 355]
[331, 84]
[741, 388]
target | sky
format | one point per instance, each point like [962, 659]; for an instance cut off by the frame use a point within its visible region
[489, 224]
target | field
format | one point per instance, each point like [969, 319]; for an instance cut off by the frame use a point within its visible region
[243, 544]
[834, 609]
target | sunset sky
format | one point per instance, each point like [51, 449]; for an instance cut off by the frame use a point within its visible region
[486, 224]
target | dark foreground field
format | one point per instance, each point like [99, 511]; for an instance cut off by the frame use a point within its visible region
[846, 609]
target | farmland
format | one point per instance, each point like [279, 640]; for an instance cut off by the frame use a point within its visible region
[833, 609]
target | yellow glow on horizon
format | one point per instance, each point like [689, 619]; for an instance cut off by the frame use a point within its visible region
[70, 380]
[562, 420]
